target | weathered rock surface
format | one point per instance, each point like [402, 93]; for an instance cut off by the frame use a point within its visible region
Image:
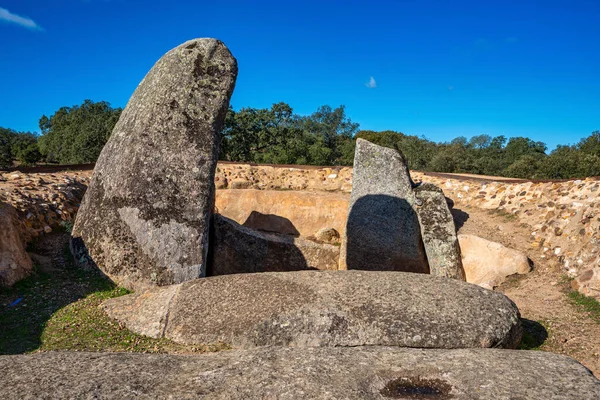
[284, 211]
[487, 263]
[314, 373]
[237, 249]
[328, 235]
[144, 219]
[15, 263]
[438, 232]
[382, 231]
[324, 308]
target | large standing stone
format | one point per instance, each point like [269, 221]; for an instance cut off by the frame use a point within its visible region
[285, 373]
[324, 308]
[237, 249]
[438, 232]
[382, 231]
[144, 219]
[15, 263]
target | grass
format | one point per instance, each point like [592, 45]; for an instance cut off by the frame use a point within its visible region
[59, 310]
[535, 334]
[585, 303]
[503, 214]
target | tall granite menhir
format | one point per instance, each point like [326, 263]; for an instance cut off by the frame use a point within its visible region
[145, 217]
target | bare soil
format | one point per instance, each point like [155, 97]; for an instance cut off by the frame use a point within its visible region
[552, 320]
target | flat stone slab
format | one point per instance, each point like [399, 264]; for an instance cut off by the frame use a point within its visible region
[310, 373]
[324, 308]
[238, 249]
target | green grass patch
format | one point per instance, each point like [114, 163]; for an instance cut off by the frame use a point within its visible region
[585, 303]
[59, 310]
[535, 334]
[503, 214]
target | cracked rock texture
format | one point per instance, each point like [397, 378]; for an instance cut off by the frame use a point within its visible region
[313, 373]
[144, 218]
[324, 308]
[438, 232]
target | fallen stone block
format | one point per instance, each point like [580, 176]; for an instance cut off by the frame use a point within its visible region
[312, 373]
[144, 219]
[323, 308]
[237, 249]
[488, 263]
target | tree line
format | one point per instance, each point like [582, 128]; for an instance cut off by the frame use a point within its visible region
[75, 135]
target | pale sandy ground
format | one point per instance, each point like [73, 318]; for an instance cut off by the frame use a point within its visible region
[540, 295]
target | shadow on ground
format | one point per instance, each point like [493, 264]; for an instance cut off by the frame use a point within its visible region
[29, 304]
[534, 335]
[459, 216]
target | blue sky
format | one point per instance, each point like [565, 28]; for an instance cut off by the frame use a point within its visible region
[435, 68]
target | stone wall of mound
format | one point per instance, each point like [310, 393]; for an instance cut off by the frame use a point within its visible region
[564, 216]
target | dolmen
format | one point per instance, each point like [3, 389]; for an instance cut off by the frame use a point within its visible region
[396, 320]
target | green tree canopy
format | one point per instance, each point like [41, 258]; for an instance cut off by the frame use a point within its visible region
[75, 135]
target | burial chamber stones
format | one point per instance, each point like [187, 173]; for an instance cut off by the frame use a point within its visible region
[393, 225]
[323, 308]
[285, 373]
[144, 219]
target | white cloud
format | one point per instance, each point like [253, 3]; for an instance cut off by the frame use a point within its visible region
[372, 84]
[25, 22]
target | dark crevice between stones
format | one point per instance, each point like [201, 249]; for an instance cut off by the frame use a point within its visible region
[417, 388]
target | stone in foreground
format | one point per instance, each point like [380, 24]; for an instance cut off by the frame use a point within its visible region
[488, 263]
[438, 232]
[323, 308]
[237, 249]
[313, 373]
[15, 263]
[145, 216]
[382, 230]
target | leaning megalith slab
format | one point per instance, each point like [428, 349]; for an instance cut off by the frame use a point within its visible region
[438, 232]
[145, 216]
[323, 308]
[308, 373]
[382, 230]
[237, 249]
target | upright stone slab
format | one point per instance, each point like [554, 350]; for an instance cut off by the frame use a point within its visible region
[438, 232]
[144, 219]
[382, 231]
